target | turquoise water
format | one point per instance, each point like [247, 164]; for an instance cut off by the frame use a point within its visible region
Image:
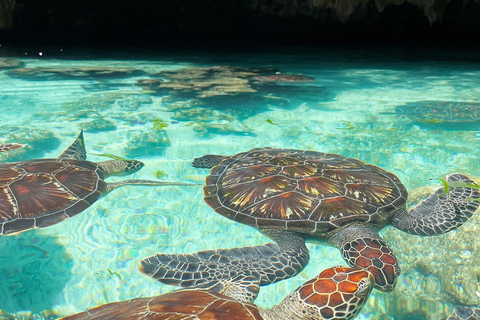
[374, 105]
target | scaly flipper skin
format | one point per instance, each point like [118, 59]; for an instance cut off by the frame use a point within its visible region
[10, 146]
[273, 262]
[207, 161]
[440, 212]
[76, 150]
[363, 247]
[336, 294]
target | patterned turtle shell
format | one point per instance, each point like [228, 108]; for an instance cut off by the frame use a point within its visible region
[336, 293]
[179, 305]
[39, 193]
[302, 191]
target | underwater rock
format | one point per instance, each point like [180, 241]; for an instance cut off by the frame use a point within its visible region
[205, 121]
[465, 313]
[283, 78]
[441, 271]
[442, 114]
[242, 92]
[99, 125]
[34, 271]
[235, 127]
[201, 82]
[432, 9]
[113, 105]
[37, 142]
[9, 63]
[6, 13]
[296, 94]
[150, 143]
[73, 73]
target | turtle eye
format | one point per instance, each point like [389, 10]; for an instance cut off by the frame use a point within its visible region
[133, 166]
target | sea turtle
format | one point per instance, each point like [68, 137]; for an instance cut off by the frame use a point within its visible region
[42, 192]
[336, 293]
[10, 146]
[295, 195]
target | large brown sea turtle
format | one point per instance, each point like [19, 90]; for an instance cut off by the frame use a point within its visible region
[294, 195]
[42, 192]
[335, 294]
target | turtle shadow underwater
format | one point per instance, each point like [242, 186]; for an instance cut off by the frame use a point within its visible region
[34, 270]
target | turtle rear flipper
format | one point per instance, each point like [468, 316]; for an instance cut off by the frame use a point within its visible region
[10, 146]
[441, 211]
[272, 262]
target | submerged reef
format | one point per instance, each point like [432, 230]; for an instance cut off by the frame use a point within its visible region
[99, 125]
[203, 81]
[29, 263]
[464, 313]
[38, 142]
[205, 121]
[152, 143]
[104, 111]
[9, 63]
[57, 73]
[283, 78]
[438, 272]
[452, 115]
[208, 82]
[218, 99]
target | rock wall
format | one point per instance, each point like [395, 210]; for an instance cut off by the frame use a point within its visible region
[432, 9]
[6, 12]
[152, 21]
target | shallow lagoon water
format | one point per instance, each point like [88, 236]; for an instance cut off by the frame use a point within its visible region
[165, 108]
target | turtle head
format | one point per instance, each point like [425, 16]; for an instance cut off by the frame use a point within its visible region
[132, 166]
[336, 293]
[120, 167]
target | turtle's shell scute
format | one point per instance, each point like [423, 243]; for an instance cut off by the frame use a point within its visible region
[304, 191]
[179, 305]
[40, 193]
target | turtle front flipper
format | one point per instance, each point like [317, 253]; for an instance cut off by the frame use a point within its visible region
[76, 150]
[271, 262]
[10, 146]
[363, 247]
[208, 161]
[441, 211]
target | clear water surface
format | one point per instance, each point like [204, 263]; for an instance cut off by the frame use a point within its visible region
[369, 104]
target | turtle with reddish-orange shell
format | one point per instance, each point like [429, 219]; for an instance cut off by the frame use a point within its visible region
[335, 294]
[292, 196]
[41, 192]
